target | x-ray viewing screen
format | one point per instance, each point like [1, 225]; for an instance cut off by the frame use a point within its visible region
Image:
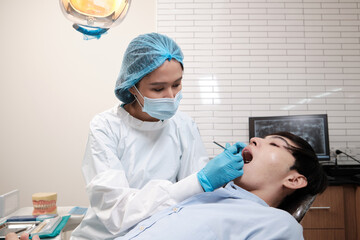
[312, 128]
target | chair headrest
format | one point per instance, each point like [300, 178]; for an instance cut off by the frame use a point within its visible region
[298, 207]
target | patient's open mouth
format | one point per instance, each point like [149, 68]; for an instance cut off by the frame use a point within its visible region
[247, 156]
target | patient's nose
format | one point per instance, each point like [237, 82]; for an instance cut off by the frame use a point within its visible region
[255, 141]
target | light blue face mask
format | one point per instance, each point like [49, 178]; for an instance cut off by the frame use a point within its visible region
[160, 108]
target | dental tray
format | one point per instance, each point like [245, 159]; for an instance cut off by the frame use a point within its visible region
[44, 229]
[17, 227]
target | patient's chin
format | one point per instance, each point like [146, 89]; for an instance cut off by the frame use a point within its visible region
[237, 180]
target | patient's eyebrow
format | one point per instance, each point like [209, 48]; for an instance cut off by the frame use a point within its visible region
[281, 138]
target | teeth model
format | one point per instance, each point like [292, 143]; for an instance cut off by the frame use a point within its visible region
[44, 203]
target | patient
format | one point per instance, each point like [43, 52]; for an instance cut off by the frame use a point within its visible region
[278, 167]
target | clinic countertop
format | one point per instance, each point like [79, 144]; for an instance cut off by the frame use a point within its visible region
[343, 174]
[341, 180]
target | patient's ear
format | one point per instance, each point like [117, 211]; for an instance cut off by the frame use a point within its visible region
[295, 180]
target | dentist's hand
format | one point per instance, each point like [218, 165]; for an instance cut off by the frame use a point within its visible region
[223, 168]
[24, 236]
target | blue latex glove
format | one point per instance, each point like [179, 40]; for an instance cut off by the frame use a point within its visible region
[222, 169]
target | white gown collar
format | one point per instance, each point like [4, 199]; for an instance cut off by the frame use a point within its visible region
[139, 124]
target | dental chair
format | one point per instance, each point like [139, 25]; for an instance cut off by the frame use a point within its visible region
[298, 207]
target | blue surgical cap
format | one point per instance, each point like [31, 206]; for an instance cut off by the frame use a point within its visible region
[144, 54]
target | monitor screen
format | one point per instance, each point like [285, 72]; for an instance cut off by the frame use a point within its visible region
[312, 128]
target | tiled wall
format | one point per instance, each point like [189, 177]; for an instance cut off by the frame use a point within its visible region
[266, 58]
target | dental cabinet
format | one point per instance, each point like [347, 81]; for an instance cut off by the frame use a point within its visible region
[334, 215]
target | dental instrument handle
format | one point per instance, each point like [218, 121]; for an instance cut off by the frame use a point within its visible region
[219, 145]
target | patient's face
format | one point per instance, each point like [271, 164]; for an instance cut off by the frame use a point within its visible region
[270, 163]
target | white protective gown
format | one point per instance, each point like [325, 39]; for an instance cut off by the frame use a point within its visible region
[134, 168]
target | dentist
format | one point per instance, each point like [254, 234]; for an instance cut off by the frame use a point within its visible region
[143, 155]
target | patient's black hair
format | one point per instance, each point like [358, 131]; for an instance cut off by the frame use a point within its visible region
[307, 164]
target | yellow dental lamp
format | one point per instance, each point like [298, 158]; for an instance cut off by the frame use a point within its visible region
[94, 17]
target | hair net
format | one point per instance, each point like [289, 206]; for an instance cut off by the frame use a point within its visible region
[144, 54]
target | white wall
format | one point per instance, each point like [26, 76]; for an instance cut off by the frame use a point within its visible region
[52, 82]
[268, 57]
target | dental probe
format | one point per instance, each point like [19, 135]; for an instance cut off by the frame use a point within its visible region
[225, 149]
[219, 145]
